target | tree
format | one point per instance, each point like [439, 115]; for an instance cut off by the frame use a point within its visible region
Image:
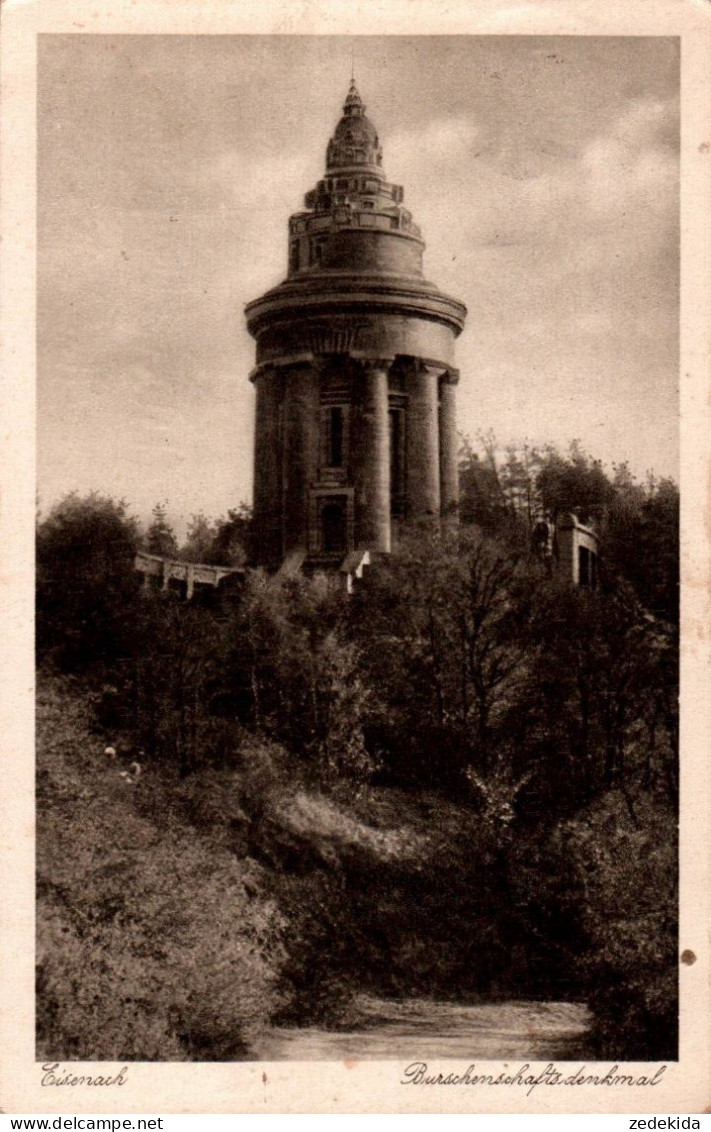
[232, 542]
[442, 635]
[200, 539]
[295, 673]
[642, 542]
[224, 542]
[481, 497]
[86, 581]
[518, 477]
[492, 614]
[575, 483]
[600, 704]
[178, 678]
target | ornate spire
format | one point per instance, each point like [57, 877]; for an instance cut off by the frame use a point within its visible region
[354, 103]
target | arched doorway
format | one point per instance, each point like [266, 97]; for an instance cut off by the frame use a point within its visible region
[334, 534]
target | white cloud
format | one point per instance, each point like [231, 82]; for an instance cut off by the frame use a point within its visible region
[445, 141]
[630, 167]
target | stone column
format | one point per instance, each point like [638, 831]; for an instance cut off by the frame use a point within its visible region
[448, 446]
[267, 469]
[423, 496]
[372, 463]
[300, 452]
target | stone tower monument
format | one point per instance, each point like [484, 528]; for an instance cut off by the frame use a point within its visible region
[355, 382]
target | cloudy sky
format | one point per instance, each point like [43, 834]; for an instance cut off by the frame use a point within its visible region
[543, 172]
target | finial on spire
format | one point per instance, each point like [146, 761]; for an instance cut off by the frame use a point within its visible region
[352, 65]
[354, 102]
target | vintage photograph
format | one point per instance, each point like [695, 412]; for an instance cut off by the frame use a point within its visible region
[357, 548]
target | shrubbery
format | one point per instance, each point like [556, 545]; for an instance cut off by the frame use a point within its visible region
[604, 884]
[460, 782]
[154, 942]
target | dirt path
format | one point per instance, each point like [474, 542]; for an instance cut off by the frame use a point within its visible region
[422, 1029]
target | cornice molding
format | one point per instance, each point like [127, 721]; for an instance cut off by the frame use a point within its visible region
[295, 301]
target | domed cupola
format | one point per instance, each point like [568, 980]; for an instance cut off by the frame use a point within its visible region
[355, 139]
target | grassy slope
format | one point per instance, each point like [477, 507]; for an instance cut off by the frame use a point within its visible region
[176, 917]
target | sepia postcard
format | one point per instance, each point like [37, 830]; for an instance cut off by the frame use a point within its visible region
[356, 557]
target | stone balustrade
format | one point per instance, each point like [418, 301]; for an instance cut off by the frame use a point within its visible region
[157, 569]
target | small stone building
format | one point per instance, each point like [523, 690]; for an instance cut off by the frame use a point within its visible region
[577, 551]
[570, 549]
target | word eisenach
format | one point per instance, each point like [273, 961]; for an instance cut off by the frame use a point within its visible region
[51, 1077]
[416, 1074]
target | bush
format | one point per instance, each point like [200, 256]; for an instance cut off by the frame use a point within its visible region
[602, 890]
[154, 940]
[627, 870]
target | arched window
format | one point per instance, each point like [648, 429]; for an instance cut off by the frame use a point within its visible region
[397, 462]
[335, 438]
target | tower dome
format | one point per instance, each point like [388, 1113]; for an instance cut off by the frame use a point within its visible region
[355, 139]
